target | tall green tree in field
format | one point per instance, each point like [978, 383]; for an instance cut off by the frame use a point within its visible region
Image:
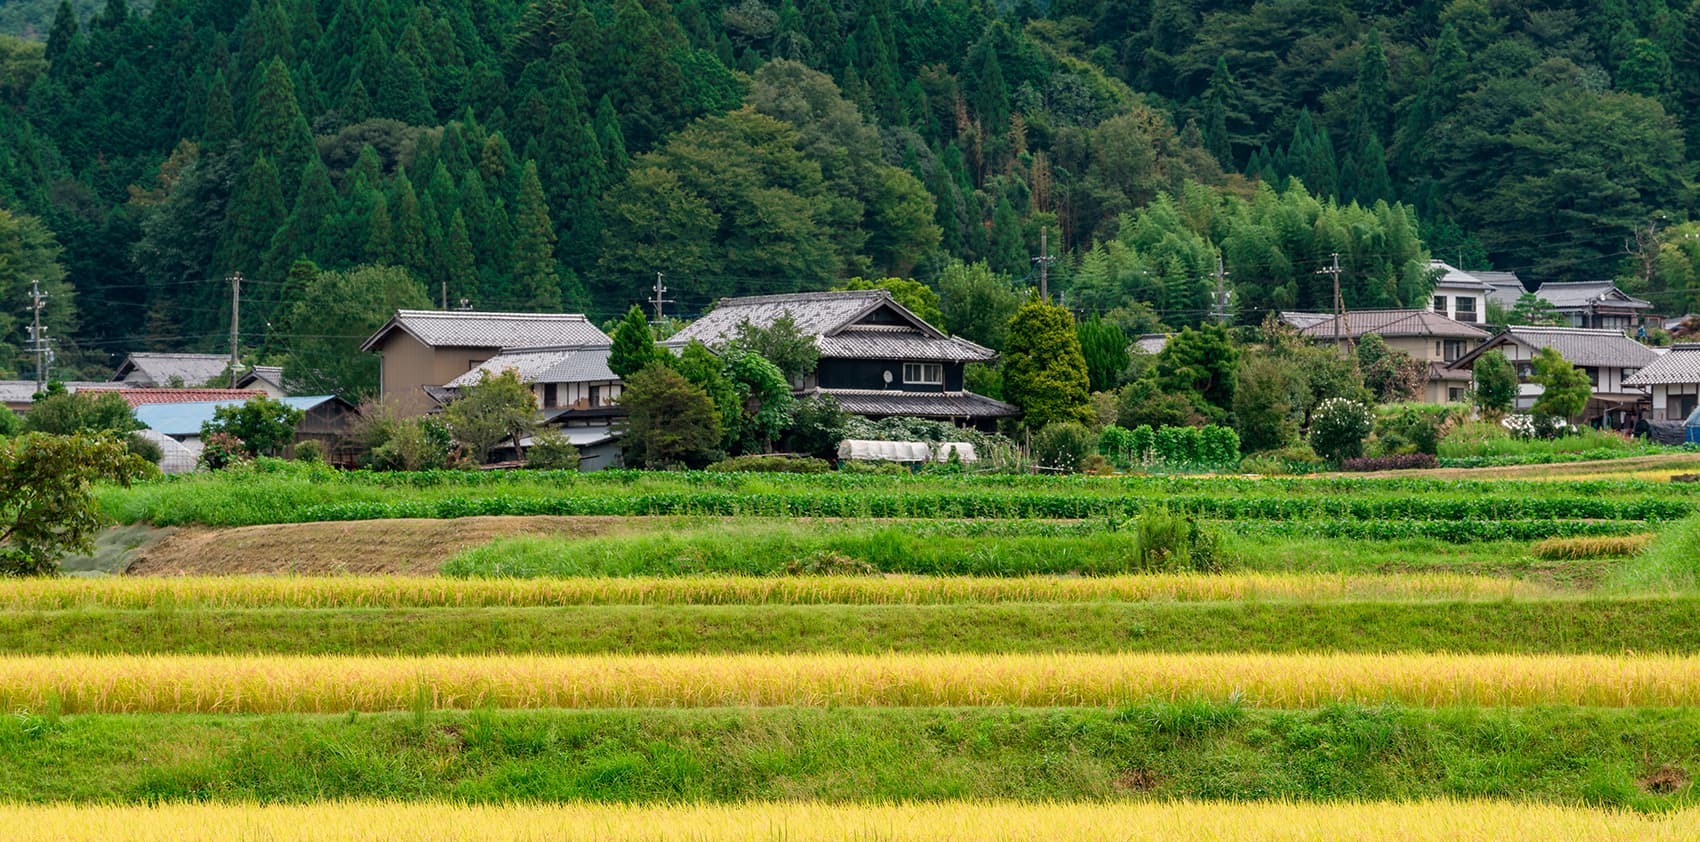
[1201, 365]
[1495, 392]
[1104, 346]
[1044, 371]
[634, 344]
[670, 422]
[1565, 388]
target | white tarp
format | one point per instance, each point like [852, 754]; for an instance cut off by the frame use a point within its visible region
[884, 451]
[964, 451]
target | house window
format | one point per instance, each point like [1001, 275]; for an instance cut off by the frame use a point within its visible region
[1454, 350]
[1593, 376]
[923, 374]
[1440, 304]
[1466, 309]
[596, 396]
[1455, 394]
[550, 395]
[1678, 408]
[1525, 370]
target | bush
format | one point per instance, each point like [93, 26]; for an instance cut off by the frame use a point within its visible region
[1172, 542]
[771, 464]
[1413, 428]
[1218, 447]
[222, 450]
[1144, 443]
[1396, 462]
[309, 450]
[1177, 446]
[1338, 429]
[144, 448]
[550, 450]
[1117, 445]
[1063, 446]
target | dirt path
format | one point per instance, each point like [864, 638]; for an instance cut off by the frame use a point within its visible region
[365, 546]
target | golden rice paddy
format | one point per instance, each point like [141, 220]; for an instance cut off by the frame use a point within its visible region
[267, 684]
[441, 592]
[1435, 821]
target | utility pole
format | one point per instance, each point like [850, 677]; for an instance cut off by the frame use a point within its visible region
[235, 322]
[38, 340]
[1221, 308]
[1339, 303]
[445, 298]
[1044, 260]
[659, 299]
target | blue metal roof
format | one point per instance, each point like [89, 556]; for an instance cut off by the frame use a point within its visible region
[185, 419]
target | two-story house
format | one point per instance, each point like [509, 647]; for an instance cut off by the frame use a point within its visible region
[1459, 295]
[1425, 335]
[1674, 380]
[1610, 359]
[877, 359]
[423, 350]
[1596, 304]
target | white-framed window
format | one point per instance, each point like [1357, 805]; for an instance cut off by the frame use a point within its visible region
[923, 374]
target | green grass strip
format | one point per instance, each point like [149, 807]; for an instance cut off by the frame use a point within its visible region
[1639, 759]
[1559, 626]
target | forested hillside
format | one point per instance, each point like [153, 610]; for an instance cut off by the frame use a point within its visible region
[558, 154]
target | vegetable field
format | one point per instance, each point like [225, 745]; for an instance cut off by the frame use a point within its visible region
[858, 657]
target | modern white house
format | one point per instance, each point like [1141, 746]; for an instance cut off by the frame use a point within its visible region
[1459, 295]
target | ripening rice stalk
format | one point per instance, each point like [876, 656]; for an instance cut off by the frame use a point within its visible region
[1429, 821]
[440, 592]
[267, 684]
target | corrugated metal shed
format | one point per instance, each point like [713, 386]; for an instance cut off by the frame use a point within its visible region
[185, 419]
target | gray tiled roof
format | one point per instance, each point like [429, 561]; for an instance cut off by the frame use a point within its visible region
[1585, 347]
[23, 391]
[1304, 320]
[580, 364]
[1395, 323]
[1506, 290]
[156, 369]
[945, 405]
[832, 318]
[1680, 365]
[1577, 294]
[879, 344]
[1452, 277]
[472, 329]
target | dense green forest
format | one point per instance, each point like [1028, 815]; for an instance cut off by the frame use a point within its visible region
[557, 154]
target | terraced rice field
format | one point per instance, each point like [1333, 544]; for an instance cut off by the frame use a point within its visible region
[742, 657]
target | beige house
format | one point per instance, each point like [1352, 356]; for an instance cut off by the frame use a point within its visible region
[1674, 379]
[423, 350]
[1425, 335]
[1610, 359]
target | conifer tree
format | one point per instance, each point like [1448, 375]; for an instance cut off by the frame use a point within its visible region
[276, 128]
[536, 280]
[299, 238]
[248, 225]
[990, 92]
[380, 245]
[1007, 252]
[1685, 70]
[610, 140]
[459, 264]
[634, 344]
[1375, 110]
[1221, 104]
[220, 125]
[65, 31]
[408, 246]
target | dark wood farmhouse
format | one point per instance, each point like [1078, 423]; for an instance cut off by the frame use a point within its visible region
[877, 359]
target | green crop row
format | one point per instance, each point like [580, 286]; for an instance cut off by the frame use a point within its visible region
[1467, 531]
[1027, 505]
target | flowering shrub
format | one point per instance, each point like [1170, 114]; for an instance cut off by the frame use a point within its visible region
[1338, 428]
[221, 450]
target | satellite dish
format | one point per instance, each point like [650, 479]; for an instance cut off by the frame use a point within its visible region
[887, 375]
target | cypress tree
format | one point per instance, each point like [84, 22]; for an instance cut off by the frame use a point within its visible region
[1685, 67]
[1311, 159]
[408, 246]
[634, 345]
[536, 282]
[249, 223]
[442, 193]
[65, 31]
[220, 126]
[610, 140]
[1007, 251]
[821, 25]
[990, 92]
[276, 128]
[1374, 112]
[114, 14]
[380, 245]
[879, 71]
[1221, 99]
[458, 261]
[299, 238]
